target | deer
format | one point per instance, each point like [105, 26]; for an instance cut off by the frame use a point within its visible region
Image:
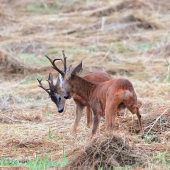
[103, 98]
[56, 93]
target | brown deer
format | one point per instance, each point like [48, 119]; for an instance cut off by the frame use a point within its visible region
[104, 98]
[57, 95]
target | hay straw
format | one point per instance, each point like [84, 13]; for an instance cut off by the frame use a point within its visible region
[131, 42]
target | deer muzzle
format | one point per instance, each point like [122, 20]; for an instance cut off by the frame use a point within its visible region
[66, 96]
[60, 110]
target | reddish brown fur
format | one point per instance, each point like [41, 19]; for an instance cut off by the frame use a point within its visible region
[96, 77]
[104, 98]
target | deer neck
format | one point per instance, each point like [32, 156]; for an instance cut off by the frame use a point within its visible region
[82, 87]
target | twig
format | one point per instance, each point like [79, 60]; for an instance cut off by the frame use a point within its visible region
[157, 120]
[107, 52]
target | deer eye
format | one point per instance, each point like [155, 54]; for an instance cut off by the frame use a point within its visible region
[59, 98]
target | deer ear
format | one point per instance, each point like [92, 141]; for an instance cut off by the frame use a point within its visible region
[78, 68]
[50, 78]
[69, 71]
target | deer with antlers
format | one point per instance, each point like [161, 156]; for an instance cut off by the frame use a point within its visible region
[104, 98]
[57, 94]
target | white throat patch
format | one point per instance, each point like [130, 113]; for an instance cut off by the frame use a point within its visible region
[61, 80]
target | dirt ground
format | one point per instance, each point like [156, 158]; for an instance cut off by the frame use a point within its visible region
[126, 38]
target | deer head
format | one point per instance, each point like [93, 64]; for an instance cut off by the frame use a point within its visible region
[55, 92]
[66, 84]
[66, 75]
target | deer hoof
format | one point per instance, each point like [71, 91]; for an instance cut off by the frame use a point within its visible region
[93, 135]
[89, 124]
[73, 131]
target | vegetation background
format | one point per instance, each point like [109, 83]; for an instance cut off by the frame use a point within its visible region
[126, 38]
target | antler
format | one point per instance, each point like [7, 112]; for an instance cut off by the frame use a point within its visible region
[40, 85]
[51, 85]
[54, 66]
[64, 57]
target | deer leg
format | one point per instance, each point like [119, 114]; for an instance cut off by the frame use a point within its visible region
[79, 111]
[135, 110]
[139, 119]
[89, 116]
[113, 118]
[96, 121]
[110, 112]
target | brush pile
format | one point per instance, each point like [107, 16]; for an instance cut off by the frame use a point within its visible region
[107, 153]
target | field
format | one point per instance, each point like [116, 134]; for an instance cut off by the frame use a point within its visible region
[126, 38]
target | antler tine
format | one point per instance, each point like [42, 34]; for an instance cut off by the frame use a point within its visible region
[40, 85]
[64, 57]
[54, 66]
[50, 85]
[49, 82]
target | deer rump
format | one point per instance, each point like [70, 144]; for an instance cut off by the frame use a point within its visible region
[110, 96]
[97, 77]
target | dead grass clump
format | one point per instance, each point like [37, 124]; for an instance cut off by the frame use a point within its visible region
[147, 21]
[108, 153]
[82, 8]
[109, 10]
[20, 46]
[6, 120]
[6, 19]
[135, 21]
[11, 64]
[162, 6]
[161, 50]
[122, 6]
[22, 57]
[154, 123]
[27, 143]
[21, 117]
[31, 116]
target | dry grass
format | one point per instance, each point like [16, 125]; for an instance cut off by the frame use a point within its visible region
[107, 153]
[127, 38]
